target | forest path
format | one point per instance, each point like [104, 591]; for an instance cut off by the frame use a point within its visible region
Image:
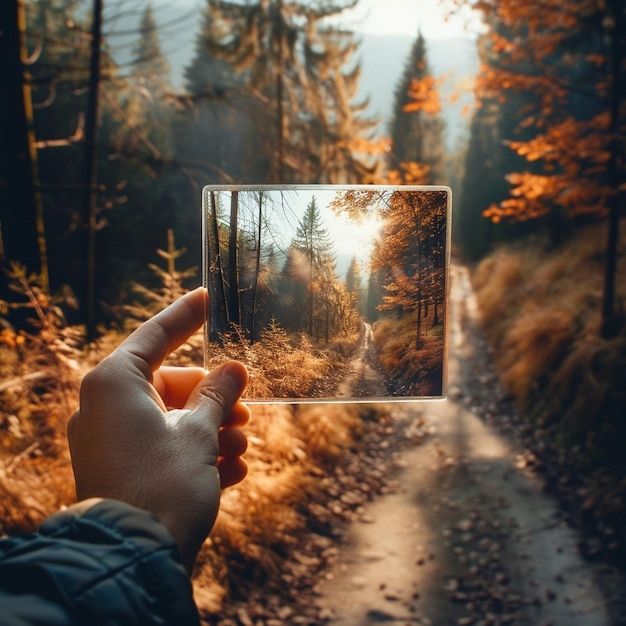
[467, 536]
[362, 380]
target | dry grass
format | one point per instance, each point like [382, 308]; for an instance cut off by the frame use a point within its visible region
[260, 520]
[541, 313]
[588, 394]
[415, 371]
[533, 347]
[501, 273]
[283, 366]
[40, 378]
[538, 306]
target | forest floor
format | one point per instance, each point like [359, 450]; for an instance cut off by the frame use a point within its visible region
[463, 531]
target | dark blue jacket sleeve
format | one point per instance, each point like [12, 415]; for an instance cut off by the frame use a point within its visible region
[114, 564]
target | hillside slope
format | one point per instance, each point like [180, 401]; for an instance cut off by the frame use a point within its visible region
[540, 311]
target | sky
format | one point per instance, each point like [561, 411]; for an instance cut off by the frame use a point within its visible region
[405, 17]
[400, 17]
[285, 212]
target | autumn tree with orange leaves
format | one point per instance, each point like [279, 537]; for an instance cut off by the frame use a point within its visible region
[410, 258]
[566, 57]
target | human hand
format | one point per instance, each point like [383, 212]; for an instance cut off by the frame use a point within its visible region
[161, 438]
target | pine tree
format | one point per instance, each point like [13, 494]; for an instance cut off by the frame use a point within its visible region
[354, 286]
[150, 67]
[147, 117]
[487, 161]
[213, 131]
[312, 261]
[295, 89]
[417, 128]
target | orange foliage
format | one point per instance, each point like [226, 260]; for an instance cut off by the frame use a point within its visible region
[410, 173]
[574, 156]
[534, 47]
[424, 93]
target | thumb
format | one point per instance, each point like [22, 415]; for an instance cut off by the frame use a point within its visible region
[218, 392]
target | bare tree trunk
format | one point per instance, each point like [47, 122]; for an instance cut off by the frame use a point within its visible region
[234, 307]
[418, 240]
[280, 114]
[257, 270]
[218, 320]
[610, 322]
[88, 300]
[418, 329]
[21, 206]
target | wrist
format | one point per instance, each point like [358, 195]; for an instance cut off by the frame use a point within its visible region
[186, 551]
[171, 524]
[81, 507]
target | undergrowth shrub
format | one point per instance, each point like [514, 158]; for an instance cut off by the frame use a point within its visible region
[41, 371]
[280, 365]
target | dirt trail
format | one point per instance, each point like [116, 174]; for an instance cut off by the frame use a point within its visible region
[362, 380]
[467, 535]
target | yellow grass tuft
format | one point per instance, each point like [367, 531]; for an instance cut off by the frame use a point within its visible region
[545, 333]
[497, 281]
[534, 345]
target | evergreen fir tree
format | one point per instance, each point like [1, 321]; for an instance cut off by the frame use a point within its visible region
[213, 131]
[150, 67]
[417, 128]
[354, 284]
[312, 261]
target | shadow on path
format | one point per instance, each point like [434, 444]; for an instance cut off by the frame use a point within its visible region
[467, 536]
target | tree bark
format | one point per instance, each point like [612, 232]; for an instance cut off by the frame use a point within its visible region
[88, 300]
[234, 307]
[610, 322]
[257, 270]
[218, 320]
[21, 206]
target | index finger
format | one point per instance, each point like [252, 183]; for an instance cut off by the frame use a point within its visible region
[162, 334]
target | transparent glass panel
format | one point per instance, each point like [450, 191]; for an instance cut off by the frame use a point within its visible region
[329, 293]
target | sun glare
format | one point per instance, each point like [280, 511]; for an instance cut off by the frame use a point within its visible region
[357, 238]
[406, 17]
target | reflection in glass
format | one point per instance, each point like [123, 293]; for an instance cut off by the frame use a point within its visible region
[328, 293]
